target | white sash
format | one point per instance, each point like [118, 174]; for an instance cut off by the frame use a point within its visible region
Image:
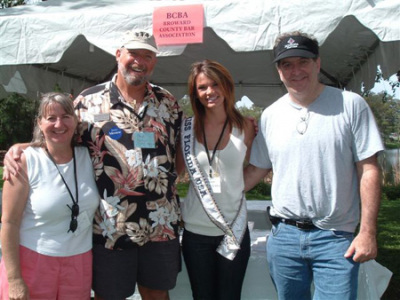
[233, 233]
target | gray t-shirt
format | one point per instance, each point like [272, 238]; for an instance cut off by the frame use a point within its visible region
[315, 174]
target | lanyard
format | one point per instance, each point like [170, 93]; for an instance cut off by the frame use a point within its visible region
[142, 109]
[62, 177]
[210, 159]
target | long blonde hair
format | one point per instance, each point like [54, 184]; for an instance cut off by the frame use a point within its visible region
[218, 73]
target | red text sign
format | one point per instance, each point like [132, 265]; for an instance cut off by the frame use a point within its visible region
[174, 25]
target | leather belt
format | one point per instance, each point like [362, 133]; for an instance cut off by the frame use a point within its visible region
[301, 224]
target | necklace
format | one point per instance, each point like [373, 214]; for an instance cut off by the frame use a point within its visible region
[75, 207]
[210, 159]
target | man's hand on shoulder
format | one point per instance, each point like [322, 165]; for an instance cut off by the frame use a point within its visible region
[254, 122]
[10, 162]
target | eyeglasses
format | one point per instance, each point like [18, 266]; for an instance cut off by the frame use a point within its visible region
[303, 123]
[73, 225]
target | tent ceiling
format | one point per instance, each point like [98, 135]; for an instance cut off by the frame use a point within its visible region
[72, 43]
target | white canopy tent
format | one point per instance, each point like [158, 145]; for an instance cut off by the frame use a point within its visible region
[71, 43]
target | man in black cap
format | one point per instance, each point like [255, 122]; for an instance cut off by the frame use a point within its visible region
[321, 144]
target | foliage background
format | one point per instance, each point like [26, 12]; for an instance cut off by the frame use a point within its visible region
[17, 116]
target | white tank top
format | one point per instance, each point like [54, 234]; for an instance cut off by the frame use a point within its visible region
[230, 167]
[46, 218]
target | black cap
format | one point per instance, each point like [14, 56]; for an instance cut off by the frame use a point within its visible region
[296, 46]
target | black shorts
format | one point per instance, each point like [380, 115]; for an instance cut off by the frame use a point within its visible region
[154, 265]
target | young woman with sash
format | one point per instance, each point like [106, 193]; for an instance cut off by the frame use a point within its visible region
[215, 144]
[48, 211]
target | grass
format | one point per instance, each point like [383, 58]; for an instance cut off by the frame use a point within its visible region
[389, 244]
[392, 145]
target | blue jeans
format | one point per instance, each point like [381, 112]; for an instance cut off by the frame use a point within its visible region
[212, 276]
[298, 257]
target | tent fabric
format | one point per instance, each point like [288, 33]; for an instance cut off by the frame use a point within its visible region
[72, 43]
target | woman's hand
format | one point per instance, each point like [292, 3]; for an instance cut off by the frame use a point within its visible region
[18, 290]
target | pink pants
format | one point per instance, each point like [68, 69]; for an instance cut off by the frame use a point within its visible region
[50, 277]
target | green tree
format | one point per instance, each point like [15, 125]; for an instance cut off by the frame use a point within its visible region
[11, 3]
[186, 107]
[17, 116]
[253, 111]
[386, 111]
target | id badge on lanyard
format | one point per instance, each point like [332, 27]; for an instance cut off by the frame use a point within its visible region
[214, 178]
[143, 139]
[214, 175]
[215, 183]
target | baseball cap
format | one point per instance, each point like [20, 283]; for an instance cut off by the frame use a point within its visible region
[139, 39]
[293, 46]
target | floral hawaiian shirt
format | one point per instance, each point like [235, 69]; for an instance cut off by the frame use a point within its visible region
[133, 155]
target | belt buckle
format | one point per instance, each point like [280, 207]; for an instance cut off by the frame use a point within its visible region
[306, 224]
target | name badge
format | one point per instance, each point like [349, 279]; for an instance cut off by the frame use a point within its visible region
[144, 140]
[215, 183]
[101, 117]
